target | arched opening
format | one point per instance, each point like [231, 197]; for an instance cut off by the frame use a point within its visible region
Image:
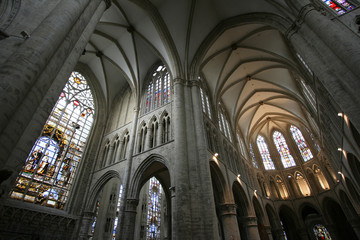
[289, 223]
[352, 190]
[149, 198]
[354, 166]
[105, 211]
[340, 224]
[260, 219]
[242, 208]
[276, 230]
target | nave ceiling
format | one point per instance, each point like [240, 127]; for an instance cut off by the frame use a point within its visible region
[248, 67]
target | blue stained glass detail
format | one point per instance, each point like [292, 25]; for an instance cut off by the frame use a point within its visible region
[154, 210]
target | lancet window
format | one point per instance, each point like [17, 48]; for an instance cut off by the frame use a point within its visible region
[154, 210]
[205, 103]
[265, 154]
[158, 91]
[51, 165]
[301, 143]
[283, 149]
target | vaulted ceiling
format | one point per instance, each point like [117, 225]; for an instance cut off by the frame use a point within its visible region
[248, 67]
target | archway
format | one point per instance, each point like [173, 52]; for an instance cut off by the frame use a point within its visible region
[276, 230]
[148, 204]
[354, 166]
[340, 224]
[260, 219]
[287, 217]
[242, 209]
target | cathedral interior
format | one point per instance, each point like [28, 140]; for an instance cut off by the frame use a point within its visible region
[180, 119]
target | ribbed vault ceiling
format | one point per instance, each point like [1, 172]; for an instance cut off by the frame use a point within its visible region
[247, 67]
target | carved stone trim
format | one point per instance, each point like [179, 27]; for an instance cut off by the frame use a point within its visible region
[131, 205]
[294, 28]
[8, 11]
[228, 209]
[179, 81]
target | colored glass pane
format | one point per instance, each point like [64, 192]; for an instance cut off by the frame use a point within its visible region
[283, 149]
[321, 233]
[117, 212]
[335, 7]
[153, 210]
[313, 139]
[265, 154]
[301, 144]
[50, 167]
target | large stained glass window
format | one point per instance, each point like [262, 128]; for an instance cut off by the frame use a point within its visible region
[265, 154]
[283, 149]
[253, 158]
[321, 232]
[340, 6]
[50, 167]
[154, 210]
[158, 91]
[300, 142]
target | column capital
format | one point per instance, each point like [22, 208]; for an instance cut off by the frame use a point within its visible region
[228, 209]
[248, 221]
[131, 205]
[179, 81]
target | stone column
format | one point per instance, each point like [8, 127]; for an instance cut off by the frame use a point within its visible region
[38, 60]
[85, 225]
[181, 204]
[269, 233]
[149, 135]
[128, 226]
[122, 216]
[333, 55]
[229, 221]
[118, 151]
[250, 224]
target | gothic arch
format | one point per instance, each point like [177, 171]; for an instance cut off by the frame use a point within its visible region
[259, 212]
[274, 221]
[98, 186]
[290, 222]
[154, 165]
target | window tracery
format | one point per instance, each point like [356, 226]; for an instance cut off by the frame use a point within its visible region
[154, 210]
[158, 91]
[52, 163]
[265, 154]
[283, 149]
[301, 143]
[253, 158]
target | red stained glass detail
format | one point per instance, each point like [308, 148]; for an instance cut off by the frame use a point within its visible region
[76, 103]
[62, 94]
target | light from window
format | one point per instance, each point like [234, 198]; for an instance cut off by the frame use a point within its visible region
[154, 210]
[301, 144]
[117, 212]
[283, 149]
[51, 165]
[265, 154]
[321, 232]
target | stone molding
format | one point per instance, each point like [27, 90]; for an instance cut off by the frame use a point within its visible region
[131, 205]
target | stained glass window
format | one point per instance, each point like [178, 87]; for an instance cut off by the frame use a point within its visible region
[117, 211]
[92, 228]
[202, 100]
[153, 210]
[265, 154]
[300, 142]
[339, 6]
[50, 167]
[253, 158]
[309, 94]
[158, 91]
[283, 149]
[321, 233]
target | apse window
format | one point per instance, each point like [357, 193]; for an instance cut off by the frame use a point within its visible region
[340, 6]
[51, 165]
